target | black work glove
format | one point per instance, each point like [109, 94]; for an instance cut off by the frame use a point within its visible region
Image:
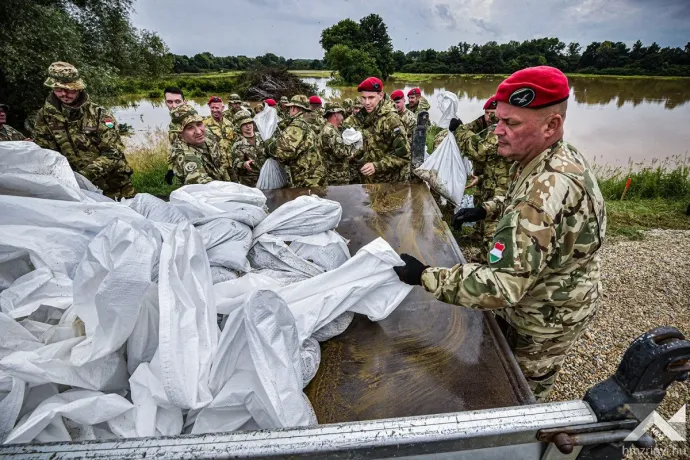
[454, 124]
[411, 272]
[169, 176]
[468, 215]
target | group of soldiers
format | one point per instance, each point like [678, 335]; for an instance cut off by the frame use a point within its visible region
[541, 211]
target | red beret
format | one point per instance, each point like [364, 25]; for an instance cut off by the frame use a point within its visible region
[491, 103]
[315, 100]
[214, 99]
[397, 94]
[270, 102]
[534, 88]
[414, 91]
[372, 84]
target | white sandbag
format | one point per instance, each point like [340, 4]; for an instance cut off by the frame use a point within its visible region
[199, 200]
[353, 137]
[272, 176]
[327, 250]
[334, 328]
[305, 215]
[35, 328]
[51, 364]
[15, 338]
[282, 278]
[449, 105]
[270, 252]
[13, 265]
[12, 392]
[257, 375]
[266, 122]
[231, 295]
[154, 415]
[310, 355]
[188, 330]
[222, 274]
[155, 209]
[445, 171]
[28, 170]
[81, 406]
[365, 284]
[85, 184]
[110, 284]
[41, 287]
[143, 342]
[227, 242]
[68, 327]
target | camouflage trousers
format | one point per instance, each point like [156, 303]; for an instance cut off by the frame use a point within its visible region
[540, 359]
[116, 184]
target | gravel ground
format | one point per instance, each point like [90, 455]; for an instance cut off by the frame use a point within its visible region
[646, 285]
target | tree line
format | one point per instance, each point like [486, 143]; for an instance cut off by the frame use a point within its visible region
[207, 62]
[96, 36]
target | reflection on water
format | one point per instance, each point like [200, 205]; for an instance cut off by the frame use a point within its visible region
[611, 120]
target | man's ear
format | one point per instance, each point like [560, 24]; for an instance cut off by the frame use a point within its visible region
[553, 124]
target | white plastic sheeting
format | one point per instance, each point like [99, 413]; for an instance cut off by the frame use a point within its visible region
[84, 279]
[353, 137]
[449, 104]
[267, 122]
[446, 171]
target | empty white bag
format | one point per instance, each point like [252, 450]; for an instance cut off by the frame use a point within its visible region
[445, 171]
[305, 215]
[266, 121]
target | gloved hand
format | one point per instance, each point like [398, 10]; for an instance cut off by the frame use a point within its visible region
[468, 215]
[454, 124]
[411, 272]
[169, 176]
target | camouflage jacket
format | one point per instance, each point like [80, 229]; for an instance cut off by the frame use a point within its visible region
[409, 119]
[316, 120]
[476, 126]
[352, 122]
[422, 106]
[298, 148]
[8, 133]
[89, 138]
[336, 156]
[223, 131]
[174, 131]
[230, 112]
[492, 169]
[385, 144]
[242, 151]
[200, 164]
[544, 269]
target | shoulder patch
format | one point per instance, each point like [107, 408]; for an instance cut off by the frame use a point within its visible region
[109, 123]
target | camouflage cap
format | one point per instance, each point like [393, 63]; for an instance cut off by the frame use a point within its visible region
[184, 115]
[300, 101]
[65, 76]
[284, 100]
[358, 103]
[332, 107]
[347, 103]
[234, 98]
[242, 117]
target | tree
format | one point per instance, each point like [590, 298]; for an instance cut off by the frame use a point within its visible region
[354, 65]
[95, 36]
[345, 32]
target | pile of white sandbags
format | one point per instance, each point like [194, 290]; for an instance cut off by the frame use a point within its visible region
[109, 311]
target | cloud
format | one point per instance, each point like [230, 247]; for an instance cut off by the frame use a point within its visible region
[292, 28]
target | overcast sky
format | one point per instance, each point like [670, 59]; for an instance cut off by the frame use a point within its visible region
[292, 28]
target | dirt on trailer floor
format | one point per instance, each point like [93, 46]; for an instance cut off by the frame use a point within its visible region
[646, 285]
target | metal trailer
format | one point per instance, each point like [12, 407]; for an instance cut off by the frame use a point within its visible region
[432, 380]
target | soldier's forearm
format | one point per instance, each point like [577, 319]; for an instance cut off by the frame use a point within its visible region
[493, 207]
[470, 285]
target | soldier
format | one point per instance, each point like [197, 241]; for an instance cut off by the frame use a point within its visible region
[234, 106]
[407, 117]
[357, 106]
[386, 153]
[173, 98]
[85, 133]
[336, 155]
[298, 148]
[543, 275]
[347, 106]
[417, 103]
[8, 133]
[198, 159]
[249, 151]
[246, 106]
[315, 116]
[217, 126]
[481, 123]
[283, 110]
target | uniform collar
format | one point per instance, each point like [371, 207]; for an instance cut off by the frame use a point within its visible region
[520, 174]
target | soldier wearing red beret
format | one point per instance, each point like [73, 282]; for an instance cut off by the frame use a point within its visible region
[408, 118]
[542, 278]
[315, 116]
[417, 103]
[385, 156]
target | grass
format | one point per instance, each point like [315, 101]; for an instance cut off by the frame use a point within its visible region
[148, 159]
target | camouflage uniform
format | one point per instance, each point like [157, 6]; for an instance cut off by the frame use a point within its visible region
[543, 278]
[336, 155]
[473, 127]
[347, 105]
[422, 106]
[385, 144]
[409, 119]
[223, 131]
[245, 149]
[298, 148]
[316, 120]
[230, 112]
[8, 133]
[85, 133]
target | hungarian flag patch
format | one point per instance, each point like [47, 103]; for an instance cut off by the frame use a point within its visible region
[109, 123]
[496, 252]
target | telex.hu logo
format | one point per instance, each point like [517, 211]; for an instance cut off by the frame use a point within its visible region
[674, 428]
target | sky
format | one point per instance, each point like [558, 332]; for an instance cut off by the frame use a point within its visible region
[292, 28]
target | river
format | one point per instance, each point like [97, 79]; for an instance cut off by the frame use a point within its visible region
[613, 121]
